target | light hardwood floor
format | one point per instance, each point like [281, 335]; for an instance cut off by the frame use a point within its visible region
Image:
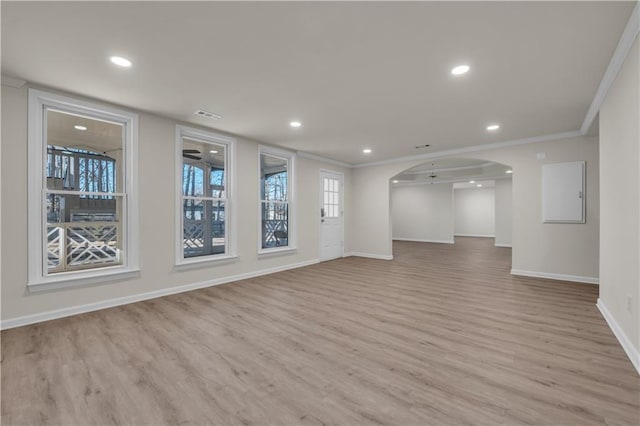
[442, 335]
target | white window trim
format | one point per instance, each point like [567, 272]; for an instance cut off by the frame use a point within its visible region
[230, 217]
[37, 278]
[291, 177]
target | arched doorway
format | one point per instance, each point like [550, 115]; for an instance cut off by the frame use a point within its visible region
[448, 199]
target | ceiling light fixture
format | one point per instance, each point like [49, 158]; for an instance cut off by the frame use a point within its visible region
[479, 185]
[509, 172]
[492, 127]
[395, 181]
[213, 151]
[79, 127]
[295, 124]
[472, 181]
[120, 61]
[460, 69]
[367, 151]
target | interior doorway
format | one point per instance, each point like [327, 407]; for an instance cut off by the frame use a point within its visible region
[449, 198]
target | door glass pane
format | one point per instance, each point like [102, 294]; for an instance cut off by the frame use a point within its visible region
[331, 197]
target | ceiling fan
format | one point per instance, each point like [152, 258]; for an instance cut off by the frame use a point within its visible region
[433, 174]
[189, 153]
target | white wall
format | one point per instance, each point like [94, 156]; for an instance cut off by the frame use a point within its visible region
[371, 206]
[156, 180]
[620, 206]
[567, 251]
[423, 213]
[503, 200]
[474, 212]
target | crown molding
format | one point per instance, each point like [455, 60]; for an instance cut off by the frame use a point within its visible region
[475, 148]
[629, 35]
[12, 81]
[627, 39]
[304, 154]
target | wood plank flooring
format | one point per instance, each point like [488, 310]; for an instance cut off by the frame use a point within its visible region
[441, 335]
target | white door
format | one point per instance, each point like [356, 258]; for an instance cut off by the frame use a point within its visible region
[331, 215]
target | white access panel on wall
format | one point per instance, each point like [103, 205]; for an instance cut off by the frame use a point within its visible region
[563, 198]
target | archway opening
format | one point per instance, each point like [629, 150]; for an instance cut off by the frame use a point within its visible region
[445, 200]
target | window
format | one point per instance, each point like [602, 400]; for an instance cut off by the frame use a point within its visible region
[205, 202]
[82, 204]
[276, 200]
[331, 197]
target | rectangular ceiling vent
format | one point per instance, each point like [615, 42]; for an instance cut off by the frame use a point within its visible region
[207, 114]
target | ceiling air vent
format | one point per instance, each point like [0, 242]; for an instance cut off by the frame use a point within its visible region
[207, 114]
[422, 146]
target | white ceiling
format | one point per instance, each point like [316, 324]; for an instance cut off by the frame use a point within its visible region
[356, 74]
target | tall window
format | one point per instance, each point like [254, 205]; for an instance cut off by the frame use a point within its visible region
[81, 184]
[204, 202]
[276, 201]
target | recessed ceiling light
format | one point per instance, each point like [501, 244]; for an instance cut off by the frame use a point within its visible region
[120, 61]
[472, 181]
[492, 127]
[79, 127]
[213, 151]
[479, 185]
[395, 181]
[509, 171]
[367, 151]
[460, 69]
[295, 124]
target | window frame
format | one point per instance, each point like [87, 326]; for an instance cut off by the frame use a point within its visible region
[291, 200]
[37, 276]
[229, 221]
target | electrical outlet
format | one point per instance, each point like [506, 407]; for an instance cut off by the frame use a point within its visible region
[629, 304]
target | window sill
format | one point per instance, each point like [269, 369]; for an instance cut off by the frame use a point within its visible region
[79, 279]
[194, 263]
[276, 251]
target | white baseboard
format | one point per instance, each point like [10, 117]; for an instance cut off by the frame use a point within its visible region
[369, 255]
[474, 235]
[559, 277]
[417, 240]
[503, 245]
[110, 303]
[632, 353]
